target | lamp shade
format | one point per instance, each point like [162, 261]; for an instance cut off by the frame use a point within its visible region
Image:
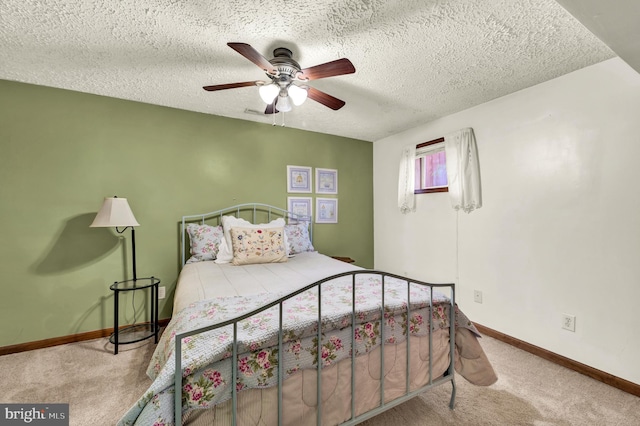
[114, 212]
[297, 94]
[268, 92]
[284, 103]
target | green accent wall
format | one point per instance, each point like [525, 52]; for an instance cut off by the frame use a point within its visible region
[62, 152]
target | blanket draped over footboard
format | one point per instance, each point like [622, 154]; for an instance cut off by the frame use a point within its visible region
[207, 357]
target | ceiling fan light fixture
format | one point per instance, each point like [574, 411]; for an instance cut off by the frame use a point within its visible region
[297, 94]
[282, 71]
[284, 103]
[268, 92]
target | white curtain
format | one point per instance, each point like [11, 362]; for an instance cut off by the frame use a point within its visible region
[463, 170]
[406, 180]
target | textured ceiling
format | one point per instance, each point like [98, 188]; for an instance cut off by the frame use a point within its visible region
[416, 60]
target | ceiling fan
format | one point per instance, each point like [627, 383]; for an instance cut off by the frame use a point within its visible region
[288, 79]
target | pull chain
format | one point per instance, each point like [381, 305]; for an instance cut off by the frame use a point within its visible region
[274, 118]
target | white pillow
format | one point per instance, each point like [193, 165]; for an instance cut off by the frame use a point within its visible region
[225, 252]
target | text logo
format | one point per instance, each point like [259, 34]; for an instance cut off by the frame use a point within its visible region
[34, 414]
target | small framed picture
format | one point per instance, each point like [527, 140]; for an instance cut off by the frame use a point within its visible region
[326, 181]
[326, 210]
[299, 179]
[300, 206]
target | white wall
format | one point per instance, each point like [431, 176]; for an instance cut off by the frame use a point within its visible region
[559, 231]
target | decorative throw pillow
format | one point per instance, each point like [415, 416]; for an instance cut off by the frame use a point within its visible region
[258, 245]
[298, 237]
[204, 241]
[226, 253]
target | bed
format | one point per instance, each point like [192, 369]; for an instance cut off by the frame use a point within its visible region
[267, 331]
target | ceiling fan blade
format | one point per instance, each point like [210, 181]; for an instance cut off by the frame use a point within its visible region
[325, 99]
[253, 55]
[271, 108]
[329, 69]
[230, 86]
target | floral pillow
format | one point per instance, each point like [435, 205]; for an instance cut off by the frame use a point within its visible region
[298, 237]
[258, 245]
[205, 241]
[226, 250]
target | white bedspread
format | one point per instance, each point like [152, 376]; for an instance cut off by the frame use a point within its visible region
[209, 280]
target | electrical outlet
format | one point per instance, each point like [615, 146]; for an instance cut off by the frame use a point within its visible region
[477, 296]
[161, 292]
[569, 322]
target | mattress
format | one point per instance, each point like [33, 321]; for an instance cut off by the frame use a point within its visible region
[207, 280]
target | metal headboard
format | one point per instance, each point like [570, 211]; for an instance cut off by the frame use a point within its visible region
[253, 212]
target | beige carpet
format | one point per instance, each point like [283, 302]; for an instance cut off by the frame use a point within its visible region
[100, 388]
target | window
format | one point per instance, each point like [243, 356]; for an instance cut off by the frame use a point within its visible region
[431, 167]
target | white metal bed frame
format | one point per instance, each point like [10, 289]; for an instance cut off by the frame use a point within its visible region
[251, 208]
[448, 376]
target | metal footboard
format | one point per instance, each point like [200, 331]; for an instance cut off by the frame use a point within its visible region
[449, 375]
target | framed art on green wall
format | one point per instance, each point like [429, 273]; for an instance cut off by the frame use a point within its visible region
[326, 210]
[300, 206]
[326, 181]
[299, 179]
